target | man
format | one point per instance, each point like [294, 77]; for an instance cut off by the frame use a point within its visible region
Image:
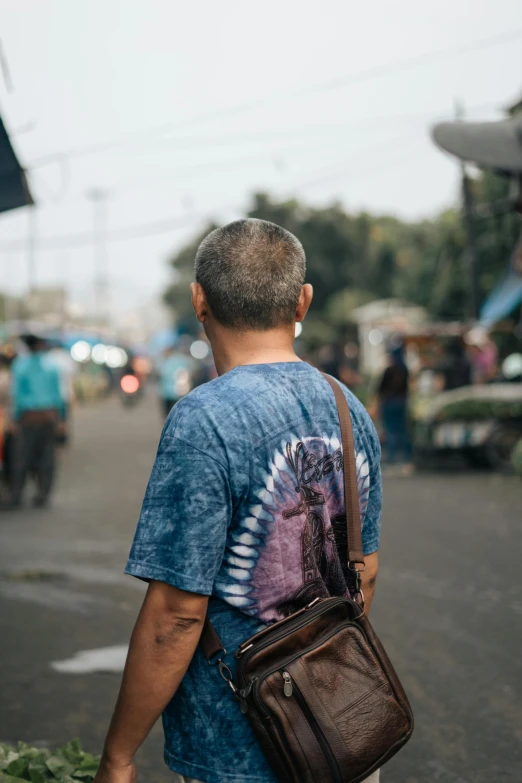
[174, 369]
[455, 369]
[243, 514]
[37, 414]
[393, 393]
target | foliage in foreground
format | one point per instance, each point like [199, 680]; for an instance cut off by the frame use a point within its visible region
[39, 765]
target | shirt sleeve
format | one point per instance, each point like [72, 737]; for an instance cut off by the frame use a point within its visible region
[182, 530]
[371, 531]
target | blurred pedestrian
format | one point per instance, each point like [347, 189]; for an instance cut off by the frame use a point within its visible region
[5, 385]
[483, 357]
[455, 368]
[37, 416]
[244, 517]
[393, 395]
[5, 381]
[175, 370]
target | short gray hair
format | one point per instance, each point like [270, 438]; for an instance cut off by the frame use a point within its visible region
[252, 272]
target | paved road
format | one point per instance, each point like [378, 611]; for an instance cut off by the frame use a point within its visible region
[449, 605]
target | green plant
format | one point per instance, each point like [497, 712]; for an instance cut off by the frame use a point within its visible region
[516, 458]
[39, 765]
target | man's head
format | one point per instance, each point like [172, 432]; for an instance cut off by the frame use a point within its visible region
[34, 343]
[250, 277]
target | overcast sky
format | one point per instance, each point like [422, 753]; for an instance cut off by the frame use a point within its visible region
[207, 102]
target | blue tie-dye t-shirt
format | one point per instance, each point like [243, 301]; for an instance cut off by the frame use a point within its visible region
[245, 504]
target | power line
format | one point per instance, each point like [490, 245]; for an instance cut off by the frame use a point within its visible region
[6, 71]
[169, 225]
[21, 129]
[227, 140]
[118, 235]
[408, 63]
[269, 158]
[368, 173]
[233, 139]
[65, 177]
[337, 171]
[358, 77]
[54, 198]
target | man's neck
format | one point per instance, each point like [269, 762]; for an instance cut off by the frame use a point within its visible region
[233, 349]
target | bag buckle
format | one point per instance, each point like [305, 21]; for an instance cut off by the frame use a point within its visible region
[359, 595]
[227, 675]
[223, 669]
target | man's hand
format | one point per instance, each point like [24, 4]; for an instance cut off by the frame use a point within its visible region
[114, 773]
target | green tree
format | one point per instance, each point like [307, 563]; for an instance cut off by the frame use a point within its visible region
[352, 259]
[177, 295]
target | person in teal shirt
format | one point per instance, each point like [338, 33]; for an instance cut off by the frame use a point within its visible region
[38, 409]
[175, 371]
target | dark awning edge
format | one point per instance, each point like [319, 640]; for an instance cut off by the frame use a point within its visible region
[14, 187]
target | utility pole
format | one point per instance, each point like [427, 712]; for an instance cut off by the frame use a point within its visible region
[63, 276]
[31, 256]
[98, 196]
[473, 307]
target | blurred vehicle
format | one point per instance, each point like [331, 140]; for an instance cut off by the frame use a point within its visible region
[482, 423]
[131, 389]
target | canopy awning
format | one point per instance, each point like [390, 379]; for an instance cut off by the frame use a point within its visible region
[491, 145]
[14, 189]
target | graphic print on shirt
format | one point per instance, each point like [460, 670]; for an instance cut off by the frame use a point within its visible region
[291, 547]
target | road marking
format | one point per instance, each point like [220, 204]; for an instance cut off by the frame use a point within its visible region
[102, 659]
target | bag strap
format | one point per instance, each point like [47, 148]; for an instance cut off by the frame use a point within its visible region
[210, 642]
[351, 491]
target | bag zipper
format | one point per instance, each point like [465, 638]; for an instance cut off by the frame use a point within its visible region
[291, 690]
[254, 683]
[302, 621]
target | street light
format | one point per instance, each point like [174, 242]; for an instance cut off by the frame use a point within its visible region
[99, 196]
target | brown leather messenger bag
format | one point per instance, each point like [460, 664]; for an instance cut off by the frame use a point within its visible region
[321, 695]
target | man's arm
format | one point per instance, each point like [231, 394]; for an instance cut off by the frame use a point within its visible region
[162, 645]
[369, 579]
[371, 532]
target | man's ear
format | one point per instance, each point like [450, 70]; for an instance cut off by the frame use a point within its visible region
[305, 300]
[199, 302]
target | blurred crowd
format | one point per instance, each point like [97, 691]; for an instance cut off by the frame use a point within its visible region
[40, 383]
[414, 370]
